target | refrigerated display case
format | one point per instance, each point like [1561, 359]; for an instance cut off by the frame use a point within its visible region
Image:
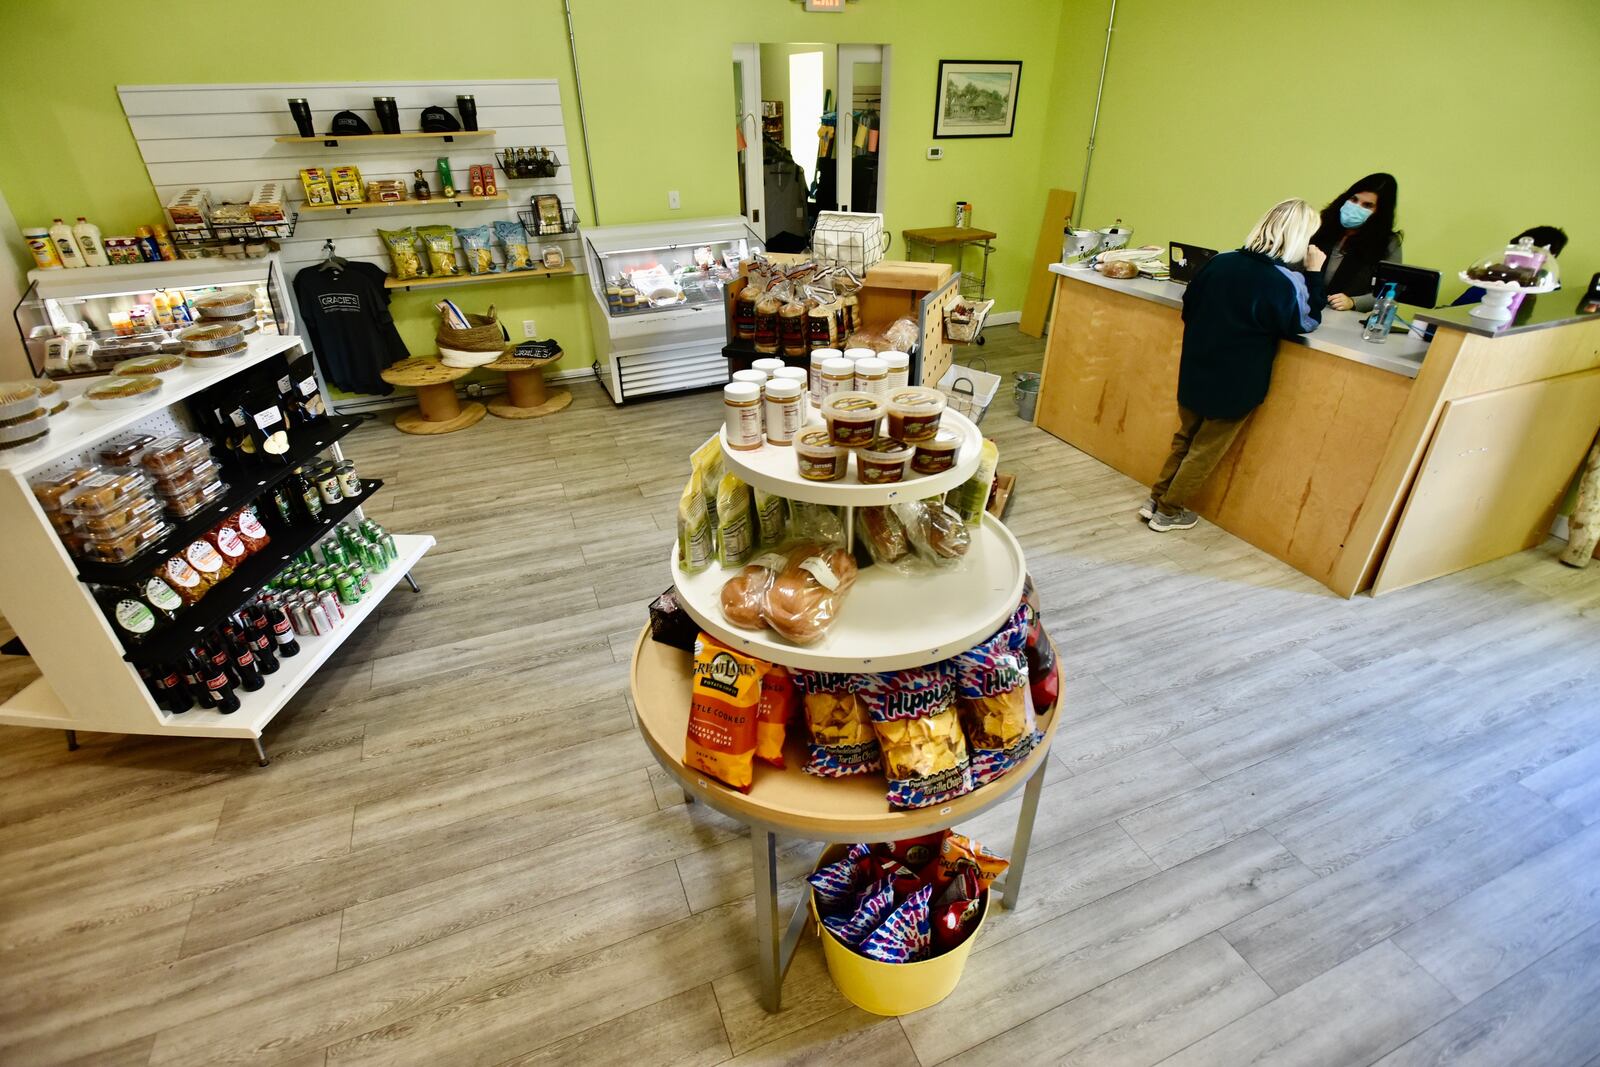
[81, 322]
[657, 307]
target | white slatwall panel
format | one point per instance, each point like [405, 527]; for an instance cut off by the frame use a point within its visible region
[221, 137]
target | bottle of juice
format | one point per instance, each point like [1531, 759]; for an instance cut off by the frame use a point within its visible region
[162, 309]
[66, 244]
[164, 244]
[146, 240]
[88, 237]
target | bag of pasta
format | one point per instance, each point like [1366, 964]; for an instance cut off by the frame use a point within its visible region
[477, 249]
[992, 699]
[914, 716]
[841, 739]
[405, 253]
[724, 704]
[513, 238]
[439, 243]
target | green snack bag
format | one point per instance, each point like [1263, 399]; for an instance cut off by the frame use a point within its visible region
[694, 528]
[707, 459]
[440, 244]
[736, 532]
[772, 518]
[405, 253]
[970, 499]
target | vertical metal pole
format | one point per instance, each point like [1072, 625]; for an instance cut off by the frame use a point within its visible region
[1094, 123]
[261, 752]
[764, 865]
[72, 740]
[412, 582]
[1019, 844]
[583, 121]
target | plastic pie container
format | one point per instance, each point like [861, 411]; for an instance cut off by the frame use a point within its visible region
[114, 394]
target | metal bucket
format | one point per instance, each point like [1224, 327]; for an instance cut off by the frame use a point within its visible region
[1027, 394]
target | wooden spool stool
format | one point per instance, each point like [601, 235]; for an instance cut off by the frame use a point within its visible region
[526, 396]
[437, 410]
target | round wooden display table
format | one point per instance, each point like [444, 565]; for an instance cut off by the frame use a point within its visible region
[796, 804]
[526, 396]
[438, 410]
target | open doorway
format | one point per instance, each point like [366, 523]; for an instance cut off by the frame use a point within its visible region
[811, 127]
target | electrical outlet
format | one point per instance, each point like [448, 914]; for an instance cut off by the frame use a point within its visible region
[672, 200]
[529, 328]
[935, 153]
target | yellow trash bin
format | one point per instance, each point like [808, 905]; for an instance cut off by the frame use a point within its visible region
[891, 988]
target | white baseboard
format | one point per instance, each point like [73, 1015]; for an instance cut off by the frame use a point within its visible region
[367, 404]
[1003, 318]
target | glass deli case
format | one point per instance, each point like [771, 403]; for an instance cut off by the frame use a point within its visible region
[85, 320]
[657, 307]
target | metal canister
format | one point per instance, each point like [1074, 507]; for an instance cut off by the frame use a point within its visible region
[371, 530]
[317, 614]
[298, 618]
[349, 588]
[349, 481]
[330, 604]
[335, 555]
[363, 579]
[328, 487]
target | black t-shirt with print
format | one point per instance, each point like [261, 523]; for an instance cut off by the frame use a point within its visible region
[346, 316]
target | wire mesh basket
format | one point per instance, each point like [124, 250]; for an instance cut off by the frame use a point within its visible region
[540, 225]
[964, 318]
[849, 239]
[196, 233]
[970, 391]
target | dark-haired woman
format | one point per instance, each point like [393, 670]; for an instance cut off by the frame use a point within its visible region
[1357, 233]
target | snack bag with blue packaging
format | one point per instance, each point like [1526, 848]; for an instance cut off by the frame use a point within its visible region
[914, 716]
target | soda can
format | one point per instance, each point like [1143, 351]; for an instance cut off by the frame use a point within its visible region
[318, 617]
[363, 579]
[335, 555]
[349, 590]
[298, 617]
[374, 559]
[391, 552]
[330, 604]
[371, 530]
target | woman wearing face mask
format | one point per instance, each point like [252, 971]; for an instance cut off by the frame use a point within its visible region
[1357, 233]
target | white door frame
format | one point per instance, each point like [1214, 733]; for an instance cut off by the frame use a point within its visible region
[755, 189]
[845, 132]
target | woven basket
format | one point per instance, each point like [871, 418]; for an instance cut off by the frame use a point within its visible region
[484, 335]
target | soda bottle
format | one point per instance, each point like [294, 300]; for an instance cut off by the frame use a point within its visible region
[214, 682]
[170, 678]
[282, 628]
[219, 657]
[261, 642]
[244, 657]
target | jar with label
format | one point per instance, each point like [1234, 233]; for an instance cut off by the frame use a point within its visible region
[349, 480]
[741, 404]
[899, 364]
[819, 357]
[328, 486]
[768, 365]
[800, 377]
[783, 411]
[872, 376]
[838, 376]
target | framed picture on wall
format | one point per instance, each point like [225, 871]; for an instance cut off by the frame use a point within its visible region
[977, 98]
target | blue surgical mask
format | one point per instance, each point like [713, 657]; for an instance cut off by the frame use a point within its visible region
[1352, 214]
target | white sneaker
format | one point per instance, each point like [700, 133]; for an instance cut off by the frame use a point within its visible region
[1147, 509]
[1183, 520]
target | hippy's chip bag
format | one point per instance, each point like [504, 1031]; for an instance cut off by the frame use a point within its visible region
[405, 252]
[835, 884]
[905, 935]
[991, 695]
[724, 704]
[842, 742]
[958, 853]
[1044, 667]
[924, 752]
[871, 906]
[778, 702]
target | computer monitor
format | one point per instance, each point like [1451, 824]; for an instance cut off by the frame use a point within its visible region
[1416, 286]
[1187, 259]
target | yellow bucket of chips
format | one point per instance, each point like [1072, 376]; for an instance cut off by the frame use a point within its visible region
[891, 988]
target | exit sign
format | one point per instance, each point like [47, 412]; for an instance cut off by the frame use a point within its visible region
[825, 5]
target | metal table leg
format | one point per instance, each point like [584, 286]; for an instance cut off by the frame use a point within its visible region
[769, 954]
[1019, 845]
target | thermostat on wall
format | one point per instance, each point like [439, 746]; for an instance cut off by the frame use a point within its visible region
[935, 153]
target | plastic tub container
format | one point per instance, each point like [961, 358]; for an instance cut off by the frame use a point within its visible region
[186, 502]
[938, 455]
[19, 398]
[126, 545]
[852, 418]
[819, 458]
[115, 394]
[882, 460]
[106, 490]
[167, 456]
[914, 413]
[892, 988]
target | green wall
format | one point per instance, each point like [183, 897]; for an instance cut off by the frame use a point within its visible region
[1483, 112]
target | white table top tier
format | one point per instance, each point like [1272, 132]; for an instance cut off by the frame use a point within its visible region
[1339, 335]
[889, 621]
[773, 468]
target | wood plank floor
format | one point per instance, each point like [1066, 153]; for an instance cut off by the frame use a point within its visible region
[1279, 827]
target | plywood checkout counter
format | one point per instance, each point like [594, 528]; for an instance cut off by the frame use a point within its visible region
[1369, 466]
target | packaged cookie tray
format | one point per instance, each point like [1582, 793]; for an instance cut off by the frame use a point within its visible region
[248, 577]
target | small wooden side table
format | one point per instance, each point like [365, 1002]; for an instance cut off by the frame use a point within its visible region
[437, 410]
[526, 396]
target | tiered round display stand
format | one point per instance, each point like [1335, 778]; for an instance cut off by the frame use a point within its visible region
[438, 410]
[888, 621]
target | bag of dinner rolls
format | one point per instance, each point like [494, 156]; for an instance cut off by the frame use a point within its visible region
[724, 703]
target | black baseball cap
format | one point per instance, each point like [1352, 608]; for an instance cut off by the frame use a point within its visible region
[349, 124]
[438, 120]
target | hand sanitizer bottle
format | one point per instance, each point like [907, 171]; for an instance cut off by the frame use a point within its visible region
[1384, 310]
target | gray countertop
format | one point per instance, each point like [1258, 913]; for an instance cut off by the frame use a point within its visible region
[1540, 311]
[1339, 334]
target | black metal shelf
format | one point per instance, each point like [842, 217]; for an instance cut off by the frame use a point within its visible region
[244, 485]
[223, 599]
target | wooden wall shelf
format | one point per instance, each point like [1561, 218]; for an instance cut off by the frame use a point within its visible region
[468, 279]
[332, 140]
[432, 201]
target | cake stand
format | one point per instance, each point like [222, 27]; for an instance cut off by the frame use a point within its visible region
[1497, 297]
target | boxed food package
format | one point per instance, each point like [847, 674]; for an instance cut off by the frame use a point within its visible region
[386, 191]
[347, 187]
[266, 203]
[191, 207]
[315, 182]
[231, 213]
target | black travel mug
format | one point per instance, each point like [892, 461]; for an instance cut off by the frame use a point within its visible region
[469, 112]
[388, 114]
[301, 110]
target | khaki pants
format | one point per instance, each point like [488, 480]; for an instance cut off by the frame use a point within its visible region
[1197, 448]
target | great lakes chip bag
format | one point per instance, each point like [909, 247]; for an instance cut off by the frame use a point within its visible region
[925, 756]
[841, 739]
[724, 703]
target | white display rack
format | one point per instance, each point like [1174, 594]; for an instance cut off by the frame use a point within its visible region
[87, 684]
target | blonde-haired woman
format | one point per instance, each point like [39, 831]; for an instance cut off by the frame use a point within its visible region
[1234, 313]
